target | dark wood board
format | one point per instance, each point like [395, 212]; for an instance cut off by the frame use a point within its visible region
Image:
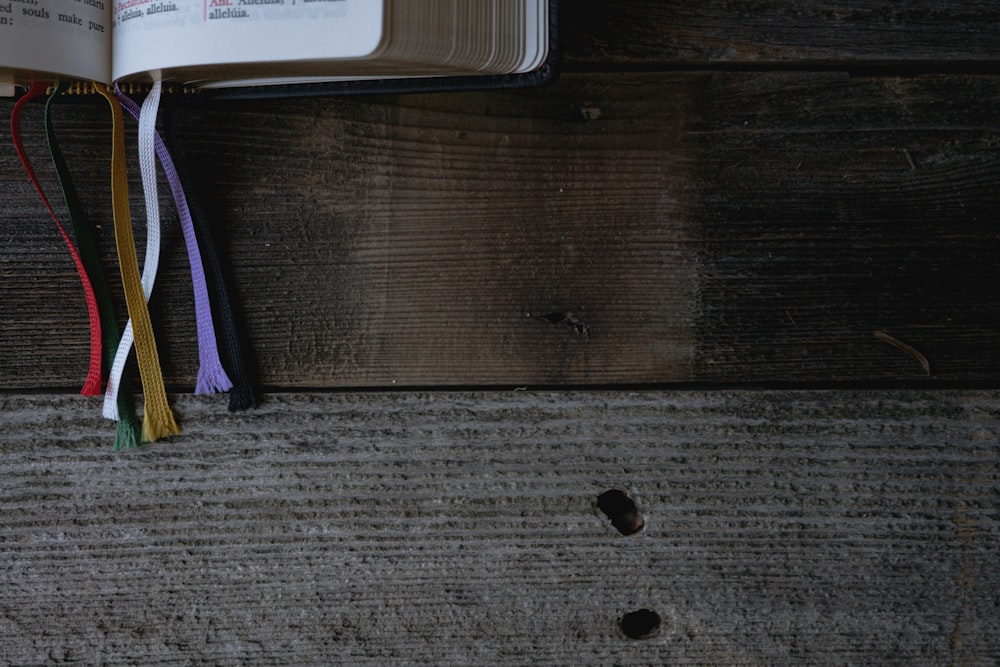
[723, 227]
[872, 33]
[781, 528]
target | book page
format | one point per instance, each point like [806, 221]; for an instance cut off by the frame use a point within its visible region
[536, 31]
[516, 41]
[155, 35]
[70, 38]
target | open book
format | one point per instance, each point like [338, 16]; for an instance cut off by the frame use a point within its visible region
[226, 43]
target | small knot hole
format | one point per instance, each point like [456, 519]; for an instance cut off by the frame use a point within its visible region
[622, 511]
[641, 624]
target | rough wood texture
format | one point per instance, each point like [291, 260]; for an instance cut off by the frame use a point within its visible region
[714, 192]
[726, 227]
[921, 33]
[788, 528]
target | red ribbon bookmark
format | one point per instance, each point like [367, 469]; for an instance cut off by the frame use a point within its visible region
[92, 386]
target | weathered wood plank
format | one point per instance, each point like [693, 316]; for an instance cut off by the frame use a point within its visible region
[840, 206]
[873, 32]
[725, 227]
[805, 528]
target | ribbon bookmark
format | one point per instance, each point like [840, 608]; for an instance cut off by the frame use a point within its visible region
[212, 377]
[92, 385]
[237, 356]
[128, 430]
[158, 419]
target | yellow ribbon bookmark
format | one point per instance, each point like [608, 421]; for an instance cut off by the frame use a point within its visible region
[158, 420]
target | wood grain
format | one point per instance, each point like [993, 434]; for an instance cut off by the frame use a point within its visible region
[367, 240]
[872, 33]
[723, 227]
[840, 206]
[716, 192]
[781, 528]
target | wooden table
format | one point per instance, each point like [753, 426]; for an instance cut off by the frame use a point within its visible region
[474, 313]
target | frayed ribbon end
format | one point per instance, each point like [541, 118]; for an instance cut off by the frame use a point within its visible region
[242, 398]
[92, 387]
[127, 434]
[212, 380]
[153, 429]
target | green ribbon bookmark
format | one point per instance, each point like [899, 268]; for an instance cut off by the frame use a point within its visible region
[128, 429]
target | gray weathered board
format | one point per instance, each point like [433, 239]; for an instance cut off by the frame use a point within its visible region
[782, 528]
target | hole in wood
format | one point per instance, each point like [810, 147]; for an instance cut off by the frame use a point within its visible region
[622, 511]
[567, 319]
[641, 624]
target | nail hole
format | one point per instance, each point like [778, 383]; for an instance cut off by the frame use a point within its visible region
[623, 513]
[641, 624]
